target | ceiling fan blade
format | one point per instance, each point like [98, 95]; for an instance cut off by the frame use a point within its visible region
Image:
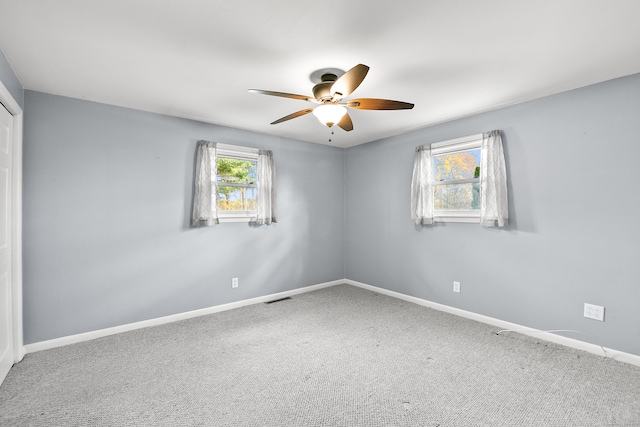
[349, 81]
[346, 123]
[284, 95]
[378, 104]
[293, 115]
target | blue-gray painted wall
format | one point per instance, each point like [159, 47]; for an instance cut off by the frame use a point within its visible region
[10, 81]
[107, 194]
[573, 163]
[107, 207]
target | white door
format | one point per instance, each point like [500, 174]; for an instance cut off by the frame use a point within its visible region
[6, 328]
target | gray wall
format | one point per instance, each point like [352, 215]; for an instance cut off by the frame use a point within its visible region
[573, 163]
[107, 194]
[10, 81]
[107, 204]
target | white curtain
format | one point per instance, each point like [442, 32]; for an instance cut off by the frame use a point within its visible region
[266, 209]
[493, 182]
[204, 200]
[421, 187]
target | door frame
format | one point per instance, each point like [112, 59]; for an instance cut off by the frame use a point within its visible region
[15, 110]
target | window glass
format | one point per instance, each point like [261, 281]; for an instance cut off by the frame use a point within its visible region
[237, 199]
[237, 189]
[461, 165]
[457, 181]
[237, 171]
[459, 197]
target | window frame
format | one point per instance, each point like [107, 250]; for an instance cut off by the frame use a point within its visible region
[452, 146]
[241, 153]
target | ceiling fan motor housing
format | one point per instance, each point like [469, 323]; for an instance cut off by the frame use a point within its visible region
[322, 90]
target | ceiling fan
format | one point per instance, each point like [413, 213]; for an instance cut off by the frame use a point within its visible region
[329, 93]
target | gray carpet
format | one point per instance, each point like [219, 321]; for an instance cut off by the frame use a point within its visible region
[340, 356]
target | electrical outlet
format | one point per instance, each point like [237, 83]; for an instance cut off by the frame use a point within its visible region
[456, 287]
[234, 282]
[592, 311]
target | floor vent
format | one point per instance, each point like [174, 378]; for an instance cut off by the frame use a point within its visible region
[277, 300]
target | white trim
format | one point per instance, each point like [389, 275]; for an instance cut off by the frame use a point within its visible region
[14, 109]
[620, 356]
[88, 336]
[245, 219]
[457, 216]
[228, 150]
[467, 219]
[457, 181]
[464, 142]
[236, 216]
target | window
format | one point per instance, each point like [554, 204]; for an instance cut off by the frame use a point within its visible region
[233, 184]
[236, 183]
[461, 180]
[456, 179]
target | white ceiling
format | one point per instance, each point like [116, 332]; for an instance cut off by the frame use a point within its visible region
[197, 58]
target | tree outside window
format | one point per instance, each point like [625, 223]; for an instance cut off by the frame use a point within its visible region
[457, 180]
[237, 184]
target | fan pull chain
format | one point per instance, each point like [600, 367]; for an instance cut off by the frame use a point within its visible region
[331, 134]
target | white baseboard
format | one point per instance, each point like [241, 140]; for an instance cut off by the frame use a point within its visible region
[631, 359]
[88, 336]
[620, 356]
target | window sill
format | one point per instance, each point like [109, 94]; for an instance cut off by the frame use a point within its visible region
[235, 219]
[472, 217]
[443, 219]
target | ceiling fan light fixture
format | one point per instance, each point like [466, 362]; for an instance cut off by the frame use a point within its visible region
[329, 114]
[331, 86]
